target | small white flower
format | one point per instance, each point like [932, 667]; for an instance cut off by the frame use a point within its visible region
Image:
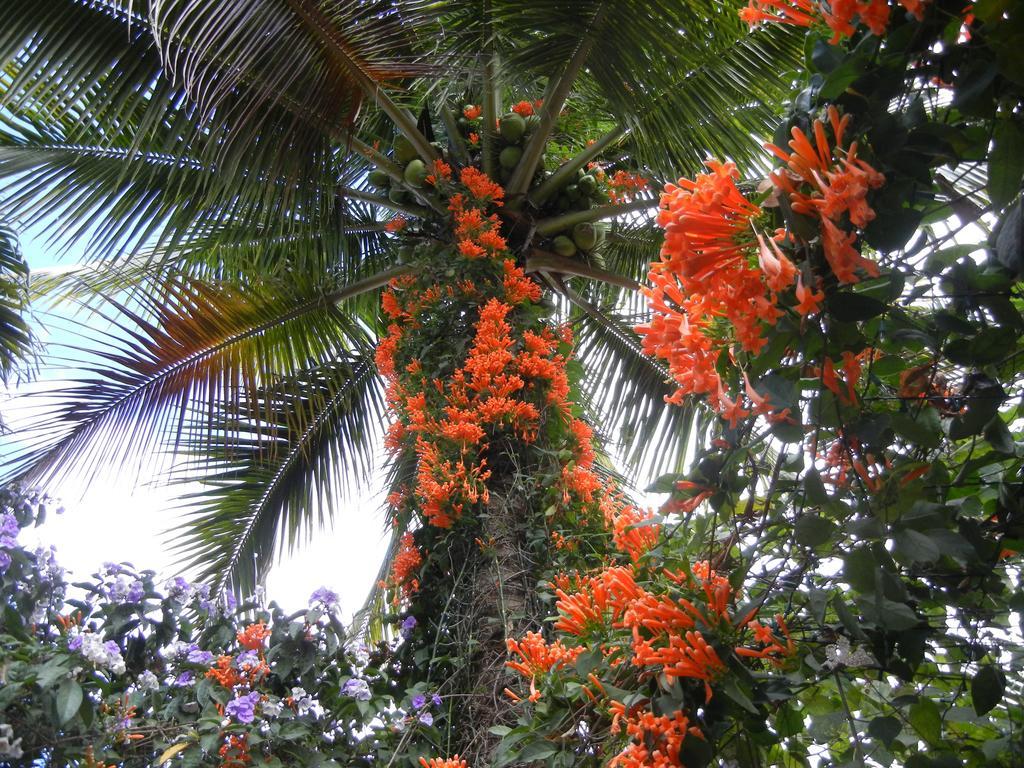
[147, 681]
[841, 655]
[9, 746]
[272, 707]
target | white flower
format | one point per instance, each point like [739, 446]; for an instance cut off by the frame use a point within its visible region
[9, 746]
[102, 654]
[841, 655]
[272, 707]
[147, 681]
[303, 701]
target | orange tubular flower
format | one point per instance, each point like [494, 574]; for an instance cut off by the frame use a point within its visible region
[819, 185]
[523, 108]
[808, 300]
[472, 111]
[252, 636]
[657, 741]
[797, 13]
[536, 656]
[437, 762]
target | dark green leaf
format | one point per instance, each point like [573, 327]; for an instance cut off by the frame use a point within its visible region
[1006, 162]
[69, 699]
[916, 546]
[885, 729]
[813, 530]
[987, 688]
[925, 717]
[859, 568]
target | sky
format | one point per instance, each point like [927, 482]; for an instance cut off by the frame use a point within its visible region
[125, 519]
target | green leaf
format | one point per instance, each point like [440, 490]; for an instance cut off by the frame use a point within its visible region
[999, 436]
[885, 729]
[69, 699]
[813, 530]
[849, 307]
[859, 569]
[897, 616]
[916, 546]
[1006, 162]
[731, 690]
[788, 721]
[987, 688]
[922, 428]
[814, 490]
[537, 750]
[925, 717]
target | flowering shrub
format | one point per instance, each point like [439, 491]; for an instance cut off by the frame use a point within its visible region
[118, 670]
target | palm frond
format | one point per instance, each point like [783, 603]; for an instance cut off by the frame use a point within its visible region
[183, 347]
[15, 335]
[627, 390]
[271, 481]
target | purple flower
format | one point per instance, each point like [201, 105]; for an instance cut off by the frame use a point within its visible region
[435, 700]
[419, 701]
[243, 708]
[185, 678]
[326, 597]
[136, 592]
[247, 657]
[198, 656]
[407, 627]
[426, 718]
[357, 689]
[75, 643]
[5, 562]
[9, 525]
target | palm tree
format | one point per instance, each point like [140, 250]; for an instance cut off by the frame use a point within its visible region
[213, 160]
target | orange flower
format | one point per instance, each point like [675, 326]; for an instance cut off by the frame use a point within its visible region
[472, 111]
[252, 636]
[798, 13]
[536, 656]
[480, 186]
[808, 300]
[396, 225]
[523, 108]
[474, 138]
[437, 762]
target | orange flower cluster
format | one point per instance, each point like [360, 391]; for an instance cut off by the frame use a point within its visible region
[657, 740]
[839, 15]
[252, 636]
[437, 762]
[472, 111]
[407, 562]
[523, 108]
[632, 530]
[537, 657]
[396, 225]
[625, 186]
[228, 675]
[704, 277]
[772, 646]
[441, 172]
[507, 382]
[827, 182]
[235, 752]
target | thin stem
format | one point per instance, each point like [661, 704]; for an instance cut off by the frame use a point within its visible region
[565, 173]
[549, 112]
[491, 97]
[383, 202]
[858, 748]
[455, 143]
[545, 261]
[384, 163]
[371, 283]
[546, 227]
[342, 52]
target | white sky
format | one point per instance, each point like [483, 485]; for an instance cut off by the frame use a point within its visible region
[114, 519]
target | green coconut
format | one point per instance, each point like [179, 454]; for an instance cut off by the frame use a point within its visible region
[563, 246]
[585, 235]
[404, 150]
[379, 179]
[587, 185]
[509, 157]
[512, 127]
[416, 173]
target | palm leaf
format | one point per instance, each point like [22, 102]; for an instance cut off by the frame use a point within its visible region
[15, 336]
[271, 481]
[186, 347]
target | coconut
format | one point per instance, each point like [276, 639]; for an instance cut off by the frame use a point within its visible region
[416, 173]
[509, 157]
[563, 246]
[404, 150]
[378, 179]
[587, 185]
[585, 235]
[512, 127]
